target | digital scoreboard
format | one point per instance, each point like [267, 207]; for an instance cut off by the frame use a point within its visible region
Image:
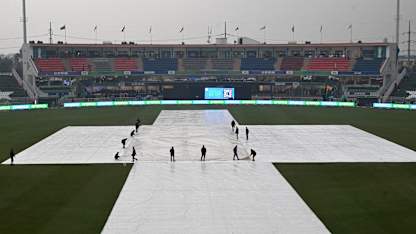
[219, 93]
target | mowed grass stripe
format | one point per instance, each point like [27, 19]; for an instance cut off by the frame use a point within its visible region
[58, 199]
[358, 197]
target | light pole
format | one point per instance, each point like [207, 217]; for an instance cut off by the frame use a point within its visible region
[24, 23]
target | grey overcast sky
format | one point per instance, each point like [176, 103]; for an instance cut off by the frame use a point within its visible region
[372, 20]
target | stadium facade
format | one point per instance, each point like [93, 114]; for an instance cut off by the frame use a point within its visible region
[348, 71]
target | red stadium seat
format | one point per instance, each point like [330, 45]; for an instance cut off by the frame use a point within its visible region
[80, 64]
[329, 64]
[125, 64]
[50, 65]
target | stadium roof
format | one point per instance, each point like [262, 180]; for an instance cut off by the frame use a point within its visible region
[330, 45]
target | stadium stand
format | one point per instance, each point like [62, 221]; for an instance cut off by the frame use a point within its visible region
[80, 64]
[363, 89]
[9, 84]
[329, 64]
[195, 64]
[222, 64]
[102, 65]
[257, 64]
[160, 65]
[50, 65]
[256, 68]
[368, 65]
[292, 63]
[125, 64]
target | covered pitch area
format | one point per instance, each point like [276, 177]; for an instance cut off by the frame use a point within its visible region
[219, 195]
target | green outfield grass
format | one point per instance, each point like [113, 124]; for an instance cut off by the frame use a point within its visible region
[58, 199]
[358, 198]
[38, 198]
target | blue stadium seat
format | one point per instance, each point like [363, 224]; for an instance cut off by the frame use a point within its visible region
[368, 65]
[160, 65]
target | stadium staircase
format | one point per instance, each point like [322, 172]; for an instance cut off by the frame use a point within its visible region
[237, 64]
[257, 64]
[181, 65]
[195, 64]
[292, 63]
[222, 64]
[278, 64]
[140, 65]
[102, 65]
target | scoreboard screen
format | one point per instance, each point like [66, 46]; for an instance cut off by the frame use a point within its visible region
[219, 93]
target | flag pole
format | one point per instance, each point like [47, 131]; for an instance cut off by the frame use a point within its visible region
[123, 30]
[65, 36]
[293, 33]
[264, 33]
[322, 34]
[183, 35]
[151, 35]
[96, 34]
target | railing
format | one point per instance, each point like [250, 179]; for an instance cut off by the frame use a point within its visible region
[33, 65]
[209, 102]
[394, 84]
[387, 61]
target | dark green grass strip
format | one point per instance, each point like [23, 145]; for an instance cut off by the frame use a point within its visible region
[58, 199]
[358, 198]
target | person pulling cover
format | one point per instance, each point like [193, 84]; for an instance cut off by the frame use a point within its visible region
[236, 153]
[117, 156]
[253, 154]
[137, 127]
[172, 154]
[133, 155]
[233, 125]
[12, 157]
[203, 153]
[247, 133]
[124, 142]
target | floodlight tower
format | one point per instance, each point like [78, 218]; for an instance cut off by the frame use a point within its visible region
[397, 33]
[24, 23]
